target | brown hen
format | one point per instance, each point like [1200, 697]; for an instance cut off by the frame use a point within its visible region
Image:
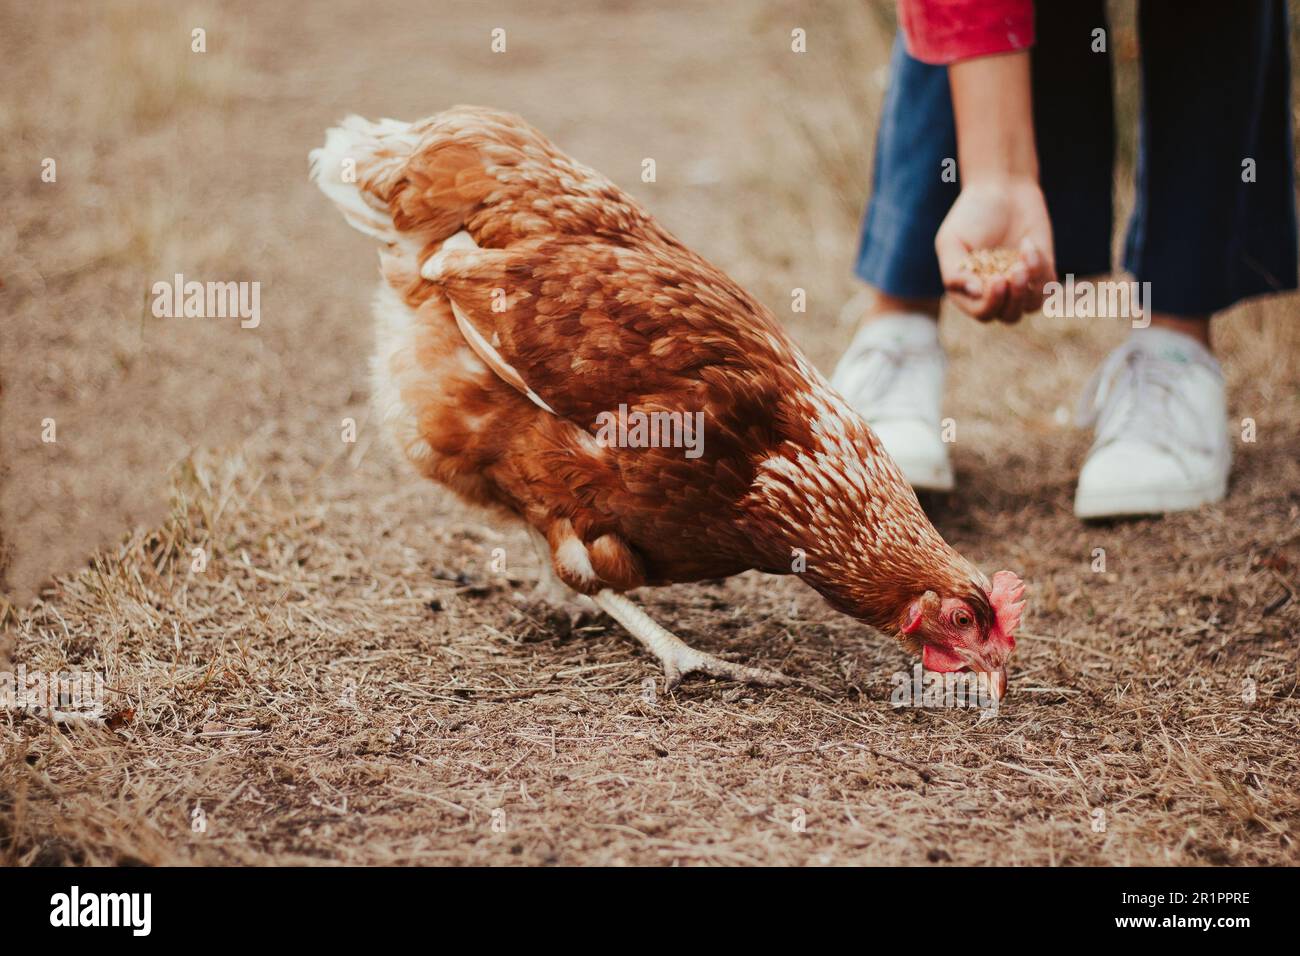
[533, 318]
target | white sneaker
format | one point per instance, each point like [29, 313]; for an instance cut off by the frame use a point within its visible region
[1159, 407]
[892, 375]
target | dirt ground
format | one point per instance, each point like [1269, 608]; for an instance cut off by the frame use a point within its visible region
[351, 679]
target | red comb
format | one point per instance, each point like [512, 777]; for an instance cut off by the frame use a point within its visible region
[1006, 595]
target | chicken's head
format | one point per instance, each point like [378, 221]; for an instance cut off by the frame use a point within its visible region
[974, 631]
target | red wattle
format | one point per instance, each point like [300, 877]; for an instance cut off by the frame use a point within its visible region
[937, 659]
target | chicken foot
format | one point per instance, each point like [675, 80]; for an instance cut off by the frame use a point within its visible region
[677, 657]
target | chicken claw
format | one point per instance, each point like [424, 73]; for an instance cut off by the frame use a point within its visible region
[677, 657]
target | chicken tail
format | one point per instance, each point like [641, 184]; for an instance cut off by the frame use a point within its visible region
[359, 167]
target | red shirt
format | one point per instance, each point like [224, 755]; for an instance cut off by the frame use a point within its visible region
[943, 31]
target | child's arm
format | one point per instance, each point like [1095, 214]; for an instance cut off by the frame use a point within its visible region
[1001, 204]
[984, 44]
[995, 119]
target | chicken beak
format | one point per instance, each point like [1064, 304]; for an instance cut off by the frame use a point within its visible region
[998, 683]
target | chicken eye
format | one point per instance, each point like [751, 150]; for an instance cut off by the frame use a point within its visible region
[962, 618]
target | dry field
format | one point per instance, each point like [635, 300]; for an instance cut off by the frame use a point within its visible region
[349, 680]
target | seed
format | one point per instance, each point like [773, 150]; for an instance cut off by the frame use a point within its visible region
[990, 262]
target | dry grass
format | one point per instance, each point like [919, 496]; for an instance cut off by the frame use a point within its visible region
[349, 681]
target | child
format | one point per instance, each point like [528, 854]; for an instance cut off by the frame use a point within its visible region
[1214, 223]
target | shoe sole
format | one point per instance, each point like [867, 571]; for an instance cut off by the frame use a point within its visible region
[1148, 501]
[927, 476]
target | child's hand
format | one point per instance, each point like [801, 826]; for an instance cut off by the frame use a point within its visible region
[991, 213]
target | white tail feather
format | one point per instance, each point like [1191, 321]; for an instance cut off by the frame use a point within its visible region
[351, 156]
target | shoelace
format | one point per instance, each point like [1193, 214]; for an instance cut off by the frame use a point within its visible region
[1135, 394]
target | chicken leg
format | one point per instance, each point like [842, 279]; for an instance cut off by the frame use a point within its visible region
[550, 589]
[677, 657]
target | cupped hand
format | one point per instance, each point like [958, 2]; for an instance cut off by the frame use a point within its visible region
[1008, 213]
